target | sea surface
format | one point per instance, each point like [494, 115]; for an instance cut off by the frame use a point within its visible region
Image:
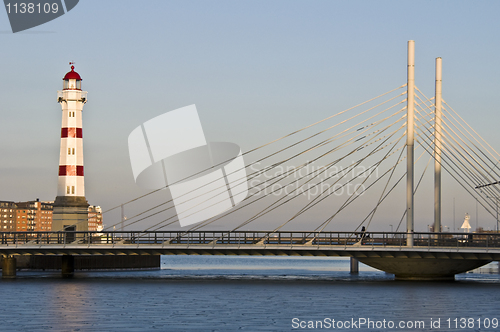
[219, 293]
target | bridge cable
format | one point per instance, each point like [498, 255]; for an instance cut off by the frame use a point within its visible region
[269, 143]
[204, 224]
[349, 200]
[467, 136]
[313, 202]
[443, 162]
[309, 149]
[258, 161]
[481, 174]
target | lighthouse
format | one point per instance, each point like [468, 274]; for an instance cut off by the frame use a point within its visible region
[70, 206]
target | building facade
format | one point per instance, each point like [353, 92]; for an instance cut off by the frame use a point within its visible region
[7, 216]
[95, 218]
[38, 216]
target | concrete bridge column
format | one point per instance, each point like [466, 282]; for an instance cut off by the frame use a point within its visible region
[67, 266]
[9, 267]
[354, 266]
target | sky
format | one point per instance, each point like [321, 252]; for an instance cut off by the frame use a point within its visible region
[256, 70]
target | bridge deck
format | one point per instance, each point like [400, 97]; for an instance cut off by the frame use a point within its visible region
[480, 246]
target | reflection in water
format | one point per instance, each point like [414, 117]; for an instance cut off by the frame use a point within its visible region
[68, 301]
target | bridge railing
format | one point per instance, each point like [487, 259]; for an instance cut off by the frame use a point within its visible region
[251, 238]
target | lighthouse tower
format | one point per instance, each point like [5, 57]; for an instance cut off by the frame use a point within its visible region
[70, 206]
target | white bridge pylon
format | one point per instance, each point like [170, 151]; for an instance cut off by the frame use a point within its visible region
[410, 139]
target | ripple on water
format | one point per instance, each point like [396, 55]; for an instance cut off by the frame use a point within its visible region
[205, 297]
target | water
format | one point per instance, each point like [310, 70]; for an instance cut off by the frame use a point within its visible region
[212, 293]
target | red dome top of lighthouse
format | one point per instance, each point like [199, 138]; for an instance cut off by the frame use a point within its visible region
[72, 75]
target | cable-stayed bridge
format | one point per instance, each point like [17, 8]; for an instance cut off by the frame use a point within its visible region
[345, 171]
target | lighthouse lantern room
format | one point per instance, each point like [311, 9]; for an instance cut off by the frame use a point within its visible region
[72, 81]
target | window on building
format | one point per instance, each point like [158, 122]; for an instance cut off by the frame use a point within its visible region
[69, 150]
[73, 150]
[67, 190]
[72, 189]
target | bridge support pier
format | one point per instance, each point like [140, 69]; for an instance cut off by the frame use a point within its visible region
[9, 265]
[354, 266]
[423, 268]
[68, 266]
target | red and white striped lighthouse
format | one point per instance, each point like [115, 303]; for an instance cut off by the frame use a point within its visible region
[70, 206]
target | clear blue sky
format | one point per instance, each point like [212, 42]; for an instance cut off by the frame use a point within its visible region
[255, 69]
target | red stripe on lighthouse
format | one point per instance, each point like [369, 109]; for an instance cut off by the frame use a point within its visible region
[71, 133]
[70, 170]
[67, 170]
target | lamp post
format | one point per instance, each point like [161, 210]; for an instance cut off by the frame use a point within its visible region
[496, 206]
[454, 226]
[477, 218]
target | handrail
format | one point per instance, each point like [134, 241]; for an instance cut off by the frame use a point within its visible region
[243, 238]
